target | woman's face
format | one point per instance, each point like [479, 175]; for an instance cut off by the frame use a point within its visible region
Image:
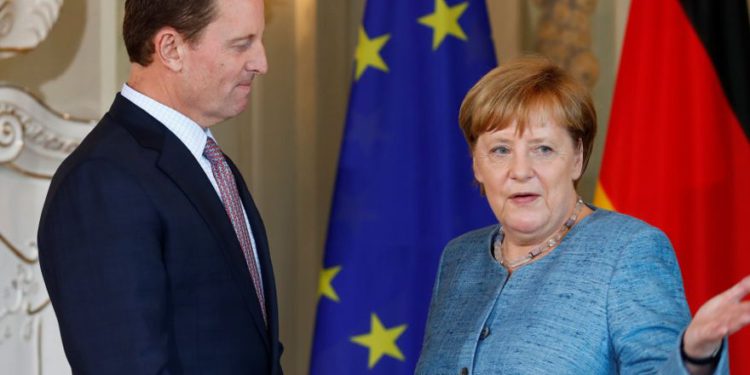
[528, 178]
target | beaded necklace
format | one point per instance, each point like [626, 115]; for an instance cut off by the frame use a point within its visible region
[541, 249]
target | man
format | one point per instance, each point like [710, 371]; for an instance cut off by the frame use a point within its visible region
[153, 252]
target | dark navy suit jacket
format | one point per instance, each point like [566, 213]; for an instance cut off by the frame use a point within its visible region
[142, 265]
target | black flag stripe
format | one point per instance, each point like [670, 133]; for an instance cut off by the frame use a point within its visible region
[724, 29]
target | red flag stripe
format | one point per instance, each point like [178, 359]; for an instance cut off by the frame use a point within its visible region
[676, 155]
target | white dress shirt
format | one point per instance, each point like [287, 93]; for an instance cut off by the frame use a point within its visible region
[192, 135]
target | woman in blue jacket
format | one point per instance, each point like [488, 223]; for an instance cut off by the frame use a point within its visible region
[560, 286]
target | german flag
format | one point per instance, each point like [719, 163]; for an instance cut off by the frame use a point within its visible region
[677, 153]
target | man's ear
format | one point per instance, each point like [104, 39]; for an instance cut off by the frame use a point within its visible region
[169, 48]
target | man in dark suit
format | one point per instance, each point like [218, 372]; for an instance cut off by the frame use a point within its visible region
[152, 250]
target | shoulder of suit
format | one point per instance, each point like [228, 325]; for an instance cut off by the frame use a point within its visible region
[108, 143]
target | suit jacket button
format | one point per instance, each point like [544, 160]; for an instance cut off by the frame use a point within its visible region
[485, 333]
[464, 371]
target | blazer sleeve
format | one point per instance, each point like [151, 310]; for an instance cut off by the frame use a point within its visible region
[100, 254]
[646, 308]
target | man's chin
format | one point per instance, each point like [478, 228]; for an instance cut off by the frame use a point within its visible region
[239, 108]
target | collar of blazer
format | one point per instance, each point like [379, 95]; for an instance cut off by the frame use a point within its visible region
[191, 179]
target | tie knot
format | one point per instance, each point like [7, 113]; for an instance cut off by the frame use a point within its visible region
[212, 152]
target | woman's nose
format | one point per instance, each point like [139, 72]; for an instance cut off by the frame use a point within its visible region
[520, 167]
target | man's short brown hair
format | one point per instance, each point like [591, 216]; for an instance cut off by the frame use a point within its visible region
[143, 18]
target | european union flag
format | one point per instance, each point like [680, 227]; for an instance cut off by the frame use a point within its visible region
[404, 186]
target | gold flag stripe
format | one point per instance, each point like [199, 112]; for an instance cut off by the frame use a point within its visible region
[601, 199]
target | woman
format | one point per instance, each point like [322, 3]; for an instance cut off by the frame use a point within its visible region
[559, 286]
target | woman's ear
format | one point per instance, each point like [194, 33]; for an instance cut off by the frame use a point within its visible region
[169, 48]
[478, 177]
[475, 167]
[578, 160]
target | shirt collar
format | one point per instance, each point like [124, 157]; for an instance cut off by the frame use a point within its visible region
[192, 135]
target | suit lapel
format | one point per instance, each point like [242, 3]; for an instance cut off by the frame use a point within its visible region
[262, 248]
[179, 164]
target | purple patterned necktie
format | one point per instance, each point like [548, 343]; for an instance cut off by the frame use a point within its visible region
[232, 204]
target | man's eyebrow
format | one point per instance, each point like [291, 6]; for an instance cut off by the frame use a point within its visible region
[242, 37]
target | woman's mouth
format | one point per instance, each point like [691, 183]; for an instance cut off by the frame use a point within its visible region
[523, 198]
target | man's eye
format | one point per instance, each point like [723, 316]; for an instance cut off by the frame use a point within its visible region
[241, 46]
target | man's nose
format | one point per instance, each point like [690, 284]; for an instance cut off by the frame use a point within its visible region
[258, 62]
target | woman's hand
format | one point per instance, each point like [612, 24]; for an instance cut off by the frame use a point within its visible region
[722, 315]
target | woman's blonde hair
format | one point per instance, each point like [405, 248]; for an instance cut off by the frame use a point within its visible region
[520, 88]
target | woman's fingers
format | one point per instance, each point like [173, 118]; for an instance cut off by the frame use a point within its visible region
[741, 317]
[722, 315]
[739, 291]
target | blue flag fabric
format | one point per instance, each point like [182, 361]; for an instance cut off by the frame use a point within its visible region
[404, 186]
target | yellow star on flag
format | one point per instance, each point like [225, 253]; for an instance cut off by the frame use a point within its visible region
[380, 341]
[325, 288]
[368, 52]
[444, 22]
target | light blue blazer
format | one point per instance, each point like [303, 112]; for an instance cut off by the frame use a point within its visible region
[609, 299]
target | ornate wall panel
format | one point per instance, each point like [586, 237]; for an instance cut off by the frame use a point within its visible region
[25, 23]
[564, 35]
[34, 139]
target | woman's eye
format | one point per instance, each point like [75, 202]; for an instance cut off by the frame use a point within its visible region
[544, 149]
[500, 150]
